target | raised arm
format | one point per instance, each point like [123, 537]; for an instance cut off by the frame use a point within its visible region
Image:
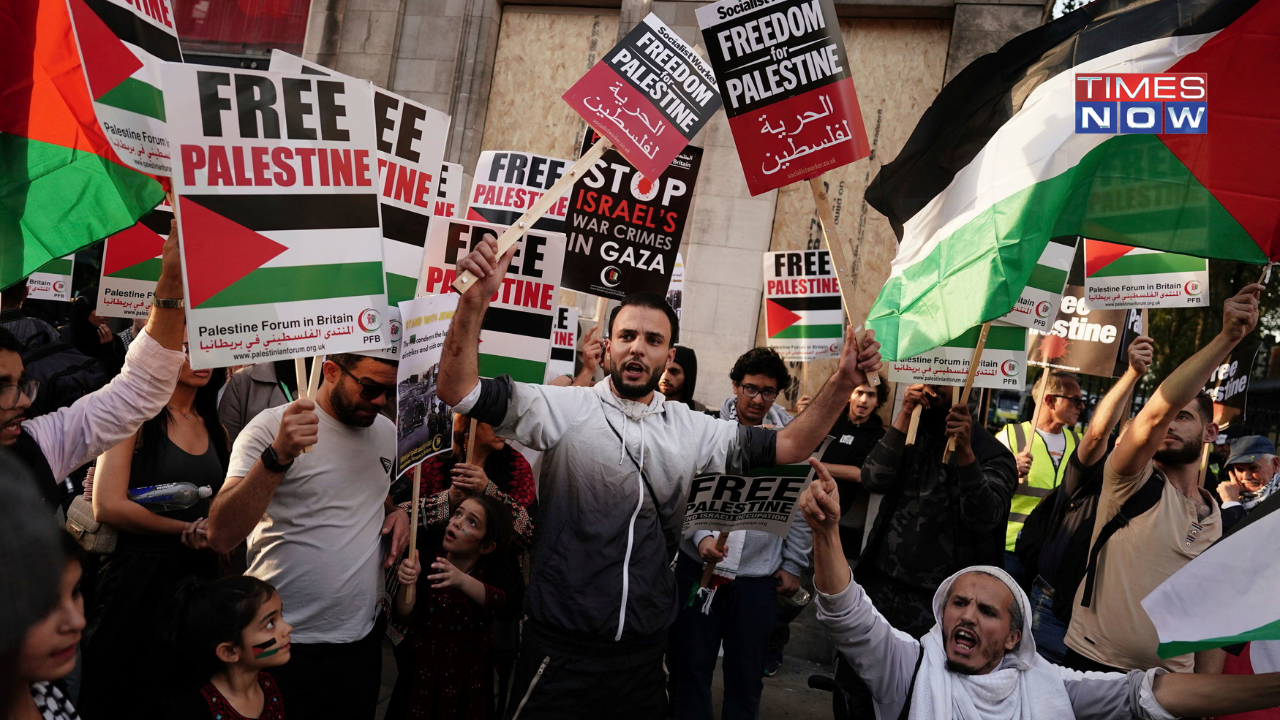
[1112, 407]
[460, 357]
[799, 438]
[1145, 435]
[166, 325]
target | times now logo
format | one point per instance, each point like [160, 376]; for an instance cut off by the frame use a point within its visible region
[1152, 103]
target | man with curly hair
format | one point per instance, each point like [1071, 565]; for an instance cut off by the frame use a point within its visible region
[758, 376]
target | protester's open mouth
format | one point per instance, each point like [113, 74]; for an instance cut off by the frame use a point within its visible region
[450, 535]
[633, 371]
[964, 641]
[10, 430]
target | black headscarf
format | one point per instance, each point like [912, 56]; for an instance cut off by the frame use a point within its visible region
[688, 361]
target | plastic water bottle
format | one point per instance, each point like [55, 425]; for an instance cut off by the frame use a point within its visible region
[169, 496]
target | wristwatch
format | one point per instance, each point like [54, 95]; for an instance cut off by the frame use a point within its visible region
[168, 303]
[272, 462]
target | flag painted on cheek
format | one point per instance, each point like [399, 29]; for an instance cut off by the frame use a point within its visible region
[265, 649]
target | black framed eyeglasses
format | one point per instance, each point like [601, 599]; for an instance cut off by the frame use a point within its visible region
[370, 391]
[12, 393]
[1077, 401]
[751, 391]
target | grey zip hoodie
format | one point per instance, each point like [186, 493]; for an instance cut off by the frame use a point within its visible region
[601, 549]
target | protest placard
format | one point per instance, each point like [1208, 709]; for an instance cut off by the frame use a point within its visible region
[649, 95]
[131, 265]
[764, 499]
[424, 423]
[1003, 364]
[675, 290]
[1040, 298]
[277, 203]
[53, 280]
[802, 310]
[787, 91]
[1120, 276]
[507, 183]
[123, 45]
[624, 228]
[411, 139]
[1082, 339]
[564, 343]
[449, 192]
[1229, 385]
[515, 338]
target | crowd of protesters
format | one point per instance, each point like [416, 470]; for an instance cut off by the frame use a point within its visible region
[985, 586]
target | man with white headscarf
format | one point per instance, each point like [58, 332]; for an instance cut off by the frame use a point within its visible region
[979, 662]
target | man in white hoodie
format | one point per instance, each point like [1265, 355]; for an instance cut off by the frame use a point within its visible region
[979, 661]
[618, 461]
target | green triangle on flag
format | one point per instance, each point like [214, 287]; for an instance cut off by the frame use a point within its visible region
[217, 251]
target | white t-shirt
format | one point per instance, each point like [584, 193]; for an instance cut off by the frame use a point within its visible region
[320, 541]
[1056, 444]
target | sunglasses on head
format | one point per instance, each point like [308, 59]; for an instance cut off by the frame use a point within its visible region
[370, 391]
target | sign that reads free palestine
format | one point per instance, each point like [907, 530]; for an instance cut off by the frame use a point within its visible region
[449, 192]
[131, 266]
[564, 343]
[1082, 339]
[53, 280]
[515, 338]
[424, 424]
[123, 45]
[804, 319]
[649, 95]
[1003, 364]
[764, 499]
[1040, 298]
[624, 228]
[410, 139]
[277, 203]
[785, 79]
[1120, 276]
[1229, 385]
[507, 183]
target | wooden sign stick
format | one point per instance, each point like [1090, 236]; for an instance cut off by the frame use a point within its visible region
[709, 568]
[1146, 322]
[471, 441]
[539, 208]
[844, 269]
[300, 371]
[413, 525]
[968, 383]
[914, 426]
[1204, 464]
[310, 389]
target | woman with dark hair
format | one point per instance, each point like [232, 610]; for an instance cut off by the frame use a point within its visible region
[156, 550]
[90, 334]
[47, 650]
[680, 379]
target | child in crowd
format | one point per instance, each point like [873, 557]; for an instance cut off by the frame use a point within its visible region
[230, 632]
[445, 659]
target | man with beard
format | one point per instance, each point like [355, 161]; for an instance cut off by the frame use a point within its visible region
[680, 379]
[1162, 445]
[979, 660]
[617, 466]
[315, 524]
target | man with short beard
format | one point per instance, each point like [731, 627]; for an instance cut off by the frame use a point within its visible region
[979, 660]
[616, 470]
[315, 523]
[1109, 629]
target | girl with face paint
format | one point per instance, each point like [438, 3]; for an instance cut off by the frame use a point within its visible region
[445, 656]
[230, 633]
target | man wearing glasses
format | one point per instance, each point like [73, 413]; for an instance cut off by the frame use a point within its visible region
[55, 444]
[758, 376]
[315, 523]
[1042, 456]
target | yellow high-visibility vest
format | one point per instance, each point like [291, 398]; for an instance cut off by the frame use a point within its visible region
[1043, 477]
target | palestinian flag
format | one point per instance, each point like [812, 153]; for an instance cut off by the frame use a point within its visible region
[53, 280]
[61, 185]
[804, 317]
[1226, 595]
[1040, 298]
[1123, 263]
[1003, 364]
[131, 266]
[123, 45]
[995, 169]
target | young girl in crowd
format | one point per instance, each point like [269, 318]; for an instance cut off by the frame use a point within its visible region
[229, 632]
[155, 550]
[47, 652]
[445, 661]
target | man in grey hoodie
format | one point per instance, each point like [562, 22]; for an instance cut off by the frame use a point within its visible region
[616, 470]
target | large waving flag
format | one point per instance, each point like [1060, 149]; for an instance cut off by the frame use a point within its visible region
[1227, 595]
[995, 168]
[61, 186]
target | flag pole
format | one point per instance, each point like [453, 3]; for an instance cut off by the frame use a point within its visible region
[709, 568]
[539, 208]
[968, 383]
[914, 426]
[413, 525]
[844, 268]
